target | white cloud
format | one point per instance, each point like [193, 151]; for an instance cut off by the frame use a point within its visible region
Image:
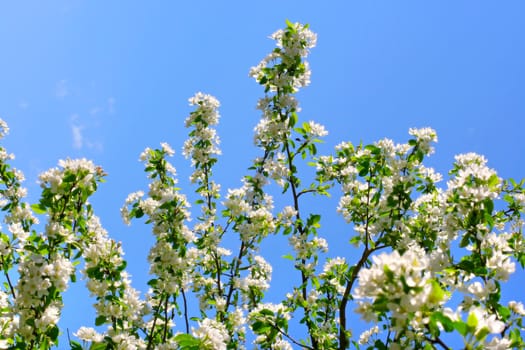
[111, 105]
[80, 133]
[61, 89]
[78, 139]
[95, 110]
[97, 146]
[23, 104]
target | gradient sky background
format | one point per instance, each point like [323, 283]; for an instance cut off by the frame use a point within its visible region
[105, 79]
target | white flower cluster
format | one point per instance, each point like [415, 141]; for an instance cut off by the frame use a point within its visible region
[486, 322]
[39, 277]
[498, 259]
[88, 334]
[106, 280]
[257, 221]
[149, 155]
[473, 179]
[269, 130]
[408, 229]
[259, 224]
[277, 169]
[316, 129]
[121, 340]
[269, 313]
[424, 137]
[4, 129]
[54, 177]
[283, 72]
[306, 248]
[334, 273]
[6, 319]
[4, 156]
[405, 284]
[517, 307]
[236, 202]
[206, 112]
[259, 276]
[46, 271]
[202, 145]
[294, 42]
[18, 214]
[173, 262]
[357, 191]
[213, 334]
[285, 217]
[365, 336]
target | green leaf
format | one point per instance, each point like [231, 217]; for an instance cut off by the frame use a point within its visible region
[100, 320]
[38, 208]
[122, 266]
[355, 240]
[187, 342]
[306, 127]
[446, 322]
[465, 240]
[488, 204]
[153, 282]
[288, 257]
[373, 149]
[503, 312]
[482, 333]
[461, 327]
[98, 346]
[380, 345]
[138, 213]
[472, 321]
[75, 345]
[313, 220]
[260, 327]
[437, 293]
[53, 333]
[266, 312]
[293, 120]
[493, 182]
[363, 170]
[70, 178]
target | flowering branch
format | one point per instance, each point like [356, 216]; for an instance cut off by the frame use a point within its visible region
[433, 259]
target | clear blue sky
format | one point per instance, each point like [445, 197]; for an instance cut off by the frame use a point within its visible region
[105, 79]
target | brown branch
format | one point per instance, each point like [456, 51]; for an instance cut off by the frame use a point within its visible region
[291, 339]
[6, 274]
[304, 278]
[439, 342]
[186, 321]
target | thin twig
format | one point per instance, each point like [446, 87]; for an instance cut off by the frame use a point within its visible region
[6, 274]
[292, 339]
[343, 339]
[185, 311]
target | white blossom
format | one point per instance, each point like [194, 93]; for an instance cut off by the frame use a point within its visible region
[316, 129]
[4, 128]
[88, 334]
[213, 334]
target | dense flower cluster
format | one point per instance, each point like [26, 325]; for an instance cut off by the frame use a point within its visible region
[292, 43]
[282, 73]
[202, 145]
[213, 335]
[424, 259]
[117, 302]
[400, 284]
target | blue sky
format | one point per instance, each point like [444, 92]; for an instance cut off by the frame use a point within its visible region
[103, 80]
